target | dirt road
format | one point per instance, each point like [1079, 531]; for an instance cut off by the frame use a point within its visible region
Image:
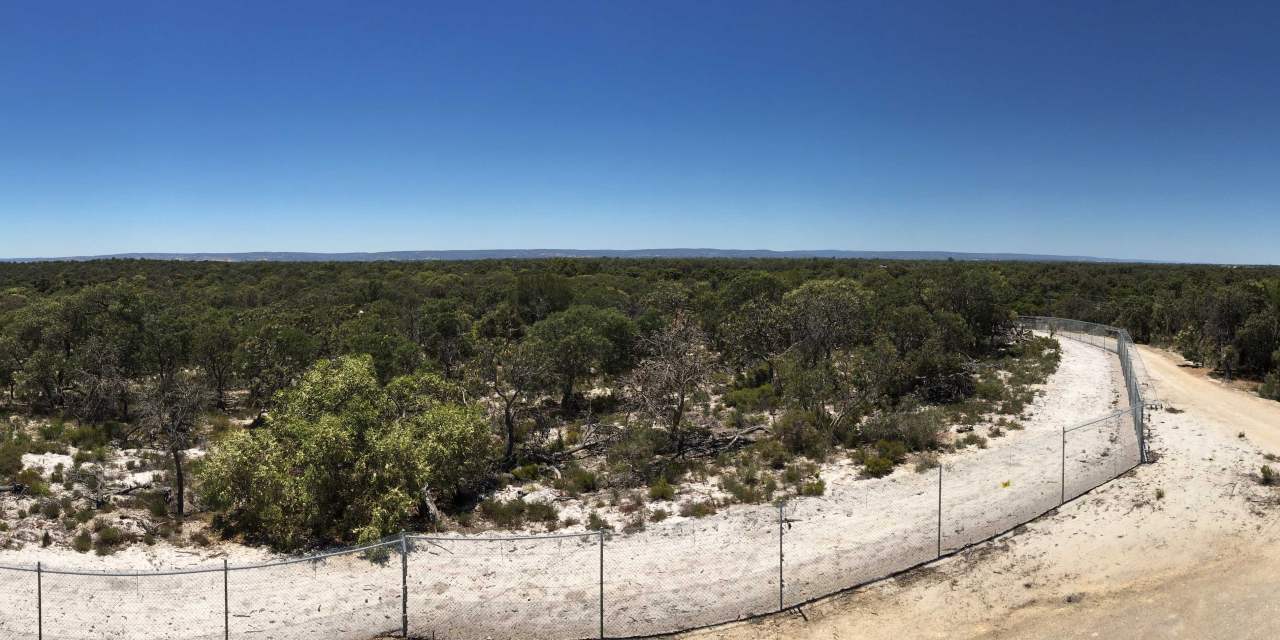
[1187, 547]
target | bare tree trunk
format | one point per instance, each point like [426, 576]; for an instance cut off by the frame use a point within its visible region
[567, 396]
[509, 421]
[179, 482]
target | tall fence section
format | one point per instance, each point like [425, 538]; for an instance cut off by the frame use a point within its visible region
[744, 562]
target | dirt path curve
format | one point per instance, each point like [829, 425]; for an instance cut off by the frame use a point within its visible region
[1188, 547]
[1189, 389]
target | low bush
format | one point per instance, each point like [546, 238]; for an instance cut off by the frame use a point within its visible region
[658, 515]
[662, 490]
[596, 523]
[504, 513]
[106, 540]
[575, 481]
[972, 439]
[752, 399]
[926, 462]
[1268, 475]
[527, 473]
[83, 542]
[877, 466]
[813, 488]
[543, 512]
[800, 433]
[698, 509]
[51, 510]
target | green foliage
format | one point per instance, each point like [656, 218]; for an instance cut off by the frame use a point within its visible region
[575, 481]
[876, 466]
[802, 433]
[698, 509]
[596, 523]
[813, 488]
[761, 398]
[82, 542]
[107, 539]
[511, 514]
[662, 490]
[340, 459]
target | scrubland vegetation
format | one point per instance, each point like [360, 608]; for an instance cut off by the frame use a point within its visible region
[327, 403]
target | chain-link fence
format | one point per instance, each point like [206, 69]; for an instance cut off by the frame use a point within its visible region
[745, 562]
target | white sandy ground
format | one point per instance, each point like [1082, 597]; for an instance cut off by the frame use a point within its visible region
[1202, 562]
[675, 574]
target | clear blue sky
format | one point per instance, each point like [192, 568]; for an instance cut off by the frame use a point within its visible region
[1123, 129]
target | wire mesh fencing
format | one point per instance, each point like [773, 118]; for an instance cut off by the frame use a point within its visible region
[745, 562]
[517, 587]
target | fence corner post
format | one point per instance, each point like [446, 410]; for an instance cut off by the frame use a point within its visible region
[1063, 499]
[404, 584]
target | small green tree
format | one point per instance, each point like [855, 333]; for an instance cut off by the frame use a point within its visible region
[342, 458]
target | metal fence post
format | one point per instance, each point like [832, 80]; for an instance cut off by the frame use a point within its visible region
[1063, 500]
[782, 505]
[226, 601]
[39, 601]
[404, 585]
[939, 508]
[602, 583]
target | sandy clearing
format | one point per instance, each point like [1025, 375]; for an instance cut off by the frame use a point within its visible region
[672, 575]
[1200, 563]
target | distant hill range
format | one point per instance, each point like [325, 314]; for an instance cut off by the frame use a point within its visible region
[508, 254]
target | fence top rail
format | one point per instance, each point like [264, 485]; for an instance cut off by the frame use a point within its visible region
[44, 568]
[463, 538]
[1092, 421]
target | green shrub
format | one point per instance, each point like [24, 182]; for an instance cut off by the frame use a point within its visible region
[894, 450]
[761, 398]
[813, 488]
[504, 513]
[544, 512]
[36, 485]
[972, 439]
[51, 510]
[662, 490]
[741, 491]
[107, 539]
[596, 523]
[698, 509]
[989, 389]
[1268, 475]
[877, 466]
[658, 515]
[155, 504]
[926, 462]
[83, 542]
[527, 473]
[800, 433]
[575, 481]
[1270, 388]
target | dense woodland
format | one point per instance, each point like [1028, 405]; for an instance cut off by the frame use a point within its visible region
[344, 401]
